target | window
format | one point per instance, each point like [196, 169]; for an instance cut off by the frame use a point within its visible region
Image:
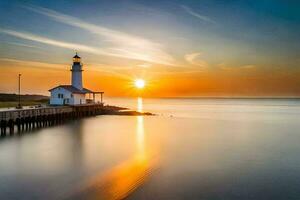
[72, 95]
[60, 96]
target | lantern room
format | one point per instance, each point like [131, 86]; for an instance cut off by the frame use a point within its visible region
[76, 58]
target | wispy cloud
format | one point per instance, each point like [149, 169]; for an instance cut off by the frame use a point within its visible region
[194, 59]
[197, 15]
[122, 53]
[224, 66]
[45, 40]
[248, 66]
[122, 44]
[145, 65]
[35, 64]
[22, 45]
[95, 67]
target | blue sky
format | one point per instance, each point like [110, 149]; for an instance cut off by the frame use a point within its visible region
[164, 36]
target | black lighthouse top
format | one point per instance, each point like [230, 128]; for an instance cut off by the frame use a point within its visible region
[76, 58]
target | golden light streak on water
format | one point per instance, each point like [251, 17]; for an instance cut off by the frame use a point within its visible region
[123, 179]
[118, 182]
[140, 138]
[140, 132]
[140, 104]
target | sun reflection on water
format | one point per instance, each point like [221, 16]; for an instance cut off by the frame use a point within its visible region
[140, 138]
[140, 104]
[124, 178]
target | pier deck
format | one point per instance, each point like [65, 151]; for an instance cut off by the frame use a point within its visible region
[30, 118]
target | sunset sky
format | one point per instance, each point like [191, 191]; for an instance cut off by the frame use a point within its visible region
[179, 47]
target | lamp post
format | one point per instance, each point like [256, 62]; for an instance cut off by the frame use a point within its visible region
[19, 104]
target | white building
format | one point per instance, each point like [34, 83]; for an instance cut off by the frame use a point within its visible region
[73, 94]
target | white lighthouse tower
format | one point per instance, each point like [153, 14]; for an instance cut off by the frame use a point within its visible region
[77, 72]
[74, 94]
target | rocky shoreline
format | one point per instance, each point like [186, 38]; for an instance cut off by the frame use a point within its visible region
[116, 110]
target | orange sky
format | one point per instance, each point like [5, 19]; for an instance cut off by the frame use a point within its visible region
[237, 82]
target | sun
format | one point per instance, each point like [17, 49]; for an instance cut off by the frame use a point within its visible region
[139, 83]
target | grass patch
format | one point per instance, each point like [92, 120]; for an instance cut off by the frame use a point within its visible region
[8, 104]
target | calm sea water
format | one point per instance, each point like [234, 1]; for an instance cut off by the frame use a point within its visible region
[193, 149]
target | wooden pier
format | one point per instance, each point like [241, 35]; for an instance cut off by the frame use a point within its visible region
[28, 119]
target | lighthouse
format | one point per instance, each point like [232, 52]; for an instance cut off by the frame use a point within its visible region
[77, 72]
[74, 94]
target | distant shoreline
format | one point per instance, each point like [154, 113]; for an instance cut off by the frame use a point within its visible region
[239, 98]
[12, 97]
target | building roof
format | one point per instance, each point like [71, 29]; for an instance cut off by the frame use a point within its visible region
[73, 89]
[76, 56]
